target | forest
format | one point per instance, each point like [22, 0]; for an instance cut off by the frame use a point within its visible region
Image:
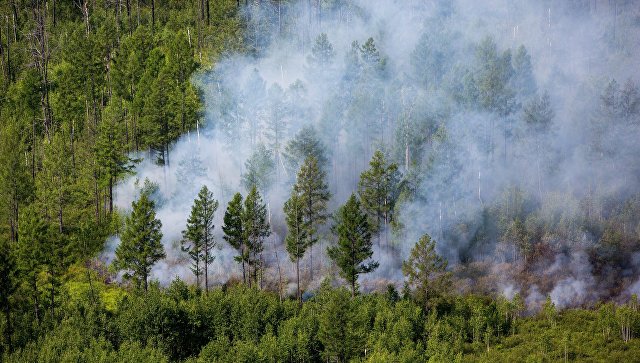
[319, 180]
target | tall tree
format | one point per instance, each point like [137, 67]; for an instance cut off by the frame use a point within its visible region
[378, 189]
[426, 271]
[322, 53]
[234, 231]
[354, 246]
[260, 168]
[296, 233]
[198, 239]
[110, 150]
[141, 242]
[256, 229]
[304, 144]
[8, 285]
[31, 242]
[538, 116]
[313, 192]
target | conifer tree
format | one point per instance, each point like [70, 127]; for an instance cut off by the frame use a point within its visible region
[260, 169]
[141, 245]
[110, 151]
[31, 242]
[256, 229]
[297, 233]
[322, 53]
[234, 231]
[425, 270]
[354, 246]
[8, 285]
[198, 239]
[303, 145]
[314, 195]
[378, 190]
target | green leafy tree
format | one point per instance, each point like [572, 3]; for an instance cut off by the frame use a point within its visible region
[296, 240]
[314, 194]
[198, 240]
[378, 189]
[233, 229]
[141, 242]
[354, 246]
[426, 271]
[256, 229]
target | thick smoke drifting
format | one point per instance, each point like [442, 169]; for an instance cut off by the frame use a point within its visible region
[462, 162]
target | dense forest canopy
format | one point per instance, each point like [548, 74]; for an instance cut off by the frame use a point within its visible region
[326, 180]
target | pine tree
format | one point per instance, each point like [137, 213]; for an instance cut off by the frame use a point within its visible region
[198, 239]
[8, 285]
[260, 169]
[303, 145]
[354, 243]
[30, 250]
[141, 242]
[234, 231]
[322, 53]
[378, 190]
[426, 270]
[57, 255]
[110, 151]
[256, 229]
[314, 195]
[297, 233]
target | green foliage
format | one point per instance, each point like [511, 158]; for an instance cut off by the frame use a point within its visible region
[256, 228]
[198, 239]
[322, 53]
[296, 240]
[378, 189]
[141, 242]
[354, 245]
[234, 232]
[260, 169]
[426, 271]
[312, 190]
[304, 145]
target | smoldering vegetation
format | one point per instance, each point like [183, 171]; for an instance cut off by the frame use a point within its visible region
[515, 125]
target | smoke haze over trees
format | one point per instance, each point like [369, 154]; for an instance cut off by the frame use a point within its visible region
[512, 125]
[320, 180]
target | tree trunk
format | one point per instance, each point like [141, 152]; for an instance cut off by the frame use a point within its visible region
[208, 14]
[9, 74]
[53, 294]
[15, 21]
[54, 13]
[111, 195]
[353, 287]
[34, 285]
[244, 275]
[7, 315]
[128, 5]
[298, 279]
[206, 262]
[153, 15]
